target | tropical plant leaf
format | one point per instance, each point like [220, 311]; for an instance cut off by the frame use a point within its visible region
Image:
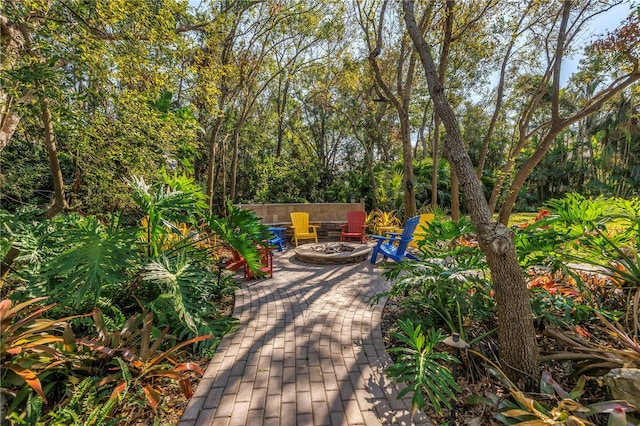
[97, 255]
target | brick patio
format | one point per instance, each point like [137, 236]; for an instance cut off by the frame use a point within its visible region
[308, 351]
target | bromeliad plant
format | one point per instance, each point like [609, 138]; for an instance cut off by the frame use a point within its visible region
[26, 343]
[378, 219]
[133, 358]
[121, 367]
[555, 406]
[594, 355]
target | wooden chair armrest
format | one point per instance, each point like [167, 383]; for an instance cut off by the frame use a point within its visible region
[383, 238]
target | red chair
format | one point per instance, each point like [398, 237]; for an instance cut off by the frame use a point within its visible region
[267, 265]
[236, 262]
[356, 224]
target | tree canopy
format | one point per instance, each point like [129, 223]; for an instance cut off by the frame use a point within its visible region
[313, 101]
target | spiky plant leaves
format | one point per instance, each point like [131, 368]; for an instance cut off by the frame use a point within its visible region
[26, 341]
[153, 397]
[96, 255]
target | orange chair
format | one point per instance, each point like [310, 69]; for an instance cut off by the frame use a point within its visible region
[356, 224]
[267, 265]
[301, 228]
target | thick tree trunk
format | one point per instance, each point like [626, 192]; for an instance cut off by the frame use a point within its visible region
[400, 100]
[519, 352]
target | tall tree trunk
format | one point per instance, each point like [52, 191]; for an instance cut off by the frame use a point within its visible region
[59, 202]
[434, 158]
[400, 100]
[233, 175]
[223, 176]
[211, 166]
[442, 72]
[422, 140]
[455, 196]
[518, 349]
[407, 156]
[282, 107]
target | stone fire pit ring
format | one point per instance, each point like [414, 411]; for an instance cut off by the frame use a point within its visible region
[334, 253]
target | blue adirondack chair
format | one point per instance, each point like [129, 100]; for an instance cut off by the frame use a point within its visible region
[394, 245]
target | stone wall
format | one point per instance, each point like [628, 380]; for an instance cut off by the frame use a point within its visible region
[328, 216]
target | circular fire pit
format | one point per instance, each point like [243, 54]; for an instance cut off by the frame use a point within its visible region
[332, 253]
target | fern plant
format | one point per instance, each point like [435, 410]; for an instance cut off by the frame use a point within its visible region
[420, 367]
[86, 406]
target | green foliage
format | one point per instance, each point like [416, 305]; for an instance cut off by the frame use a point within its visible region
[169, 269]
[96, 255]
[600, 234]
[30, 415]
[242, 230]
[445, 235]
[178, 200]
[420, 366]
[186, 294]
[285, 182]
[85, 406]
[389, 193]
[448, 285]
[448, 292]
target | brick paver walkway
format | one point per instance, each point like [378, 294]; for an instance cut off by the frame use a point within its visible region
[308, 351]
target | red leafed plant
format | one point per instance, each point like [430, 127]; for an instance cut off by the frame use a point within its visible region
[27, 342]
[137, 359]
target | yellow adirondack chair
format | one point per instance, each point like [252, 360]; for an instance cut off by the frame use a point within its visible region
[301, 228]
[421, 232]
